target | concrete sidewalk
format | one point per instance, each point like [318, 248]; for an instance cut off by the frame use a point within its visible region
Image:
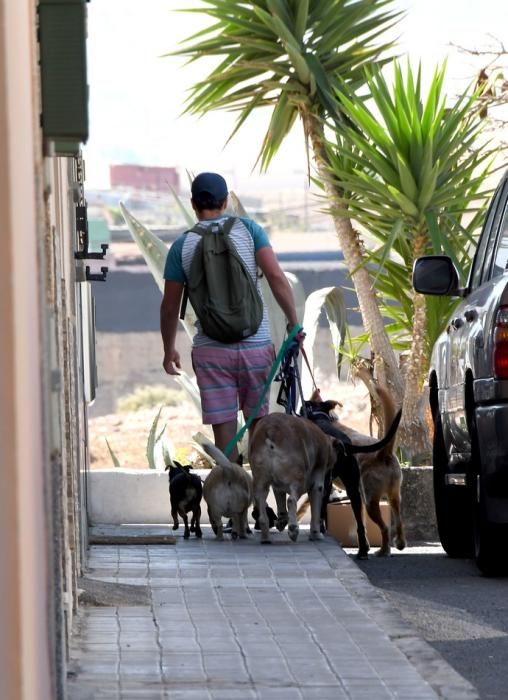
[237, 620]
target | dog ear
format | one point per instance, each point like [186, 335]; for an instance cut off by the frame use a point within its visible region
[316, 396]
[330, 405]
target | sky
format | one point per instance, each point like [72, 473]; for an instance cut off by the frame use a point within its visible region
[137, 96]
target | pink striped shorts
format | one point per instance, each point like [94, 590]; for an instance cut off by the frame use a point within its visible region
[231, 378]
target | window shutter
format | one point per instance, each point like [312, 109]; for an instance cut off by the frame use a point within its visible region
[62, 37]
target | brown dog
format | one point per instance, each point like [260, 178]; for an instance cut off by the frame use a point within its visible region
[228, 492]
[293, 456]
[380, 471]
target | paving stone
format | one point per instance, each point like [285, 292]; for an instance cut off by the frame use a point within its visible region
[237, 621]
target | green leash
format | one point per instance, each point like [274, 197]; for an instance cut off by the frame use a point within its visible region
[294, 332]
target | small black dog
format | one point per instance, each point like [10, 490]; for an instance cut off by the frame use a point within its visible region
[185, 493]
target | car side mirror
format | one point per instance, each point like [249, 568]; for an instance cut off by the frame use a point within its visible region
[436, 274]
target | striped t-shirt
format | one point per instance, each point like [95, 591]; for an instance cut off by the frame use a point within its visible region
[248, 237]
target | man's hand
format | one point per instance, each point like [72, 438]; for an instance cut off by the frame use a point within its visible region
[171, 362]
[299, 337]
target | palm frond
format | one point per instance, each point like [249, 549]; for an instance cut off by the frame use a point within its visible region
[291, 55]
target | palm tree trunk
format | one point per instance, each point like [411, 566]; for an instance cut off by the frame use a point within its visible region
[413, 432]
[387, 368]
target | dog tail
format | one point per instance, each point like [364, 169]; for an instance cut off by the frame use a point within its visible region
[213, 451]
[390, 415]
[385, 444]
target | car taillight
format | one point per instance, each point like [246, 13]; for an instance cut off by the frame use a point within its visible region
[501, 344]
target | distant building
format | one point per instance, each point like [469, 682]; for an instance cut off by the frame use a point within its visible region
[144, 177]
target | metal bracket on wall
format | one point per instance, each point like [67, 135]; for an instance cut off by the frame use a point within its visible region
[96, 276]
[82, 231]
[82, 226]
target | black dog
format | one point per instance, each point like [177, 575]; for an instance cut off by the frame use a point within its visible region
[185, 493]
[346, 467]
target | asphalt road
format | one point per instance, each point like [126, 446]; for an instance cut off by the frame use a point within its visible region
[463, 615]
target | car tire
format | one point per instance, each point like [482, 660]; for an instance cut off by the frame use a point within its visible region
[489, 539]
[452, 503]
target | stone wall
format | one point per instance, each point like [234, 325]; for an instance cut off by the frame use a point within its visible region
[418, 512]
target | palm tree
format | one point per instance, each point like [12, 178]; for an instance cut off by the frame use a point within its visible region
[295, 56]
[412, 177]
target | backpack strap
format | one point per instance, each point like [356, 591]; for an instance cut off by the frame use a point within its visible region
[225, 227]
[200, 230]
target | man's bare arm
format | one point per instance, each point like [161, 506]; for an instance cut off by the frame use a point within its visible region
[170, 309]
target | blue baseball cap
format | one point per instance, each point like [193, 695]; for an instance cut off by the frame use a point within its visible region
[212, 183]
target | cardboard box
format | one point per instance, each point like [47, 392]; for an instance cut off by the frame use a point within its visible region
[342, 524]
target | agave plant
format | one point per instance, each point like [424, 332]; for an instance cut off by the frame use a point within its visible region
[331, 300]
[153, 439]
[294, 57]
[112, 454]
[413, 172]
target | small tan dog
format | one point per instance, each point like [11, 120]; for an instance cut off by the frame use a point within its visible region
[293, 456]
[380, 471]
[227, 491]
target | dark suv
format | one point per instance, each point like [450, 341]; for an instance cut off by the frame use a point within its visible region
[468, 381]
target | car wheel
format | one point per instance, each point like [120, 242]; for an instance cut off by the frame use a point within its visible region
[452, 503]
[489, 539]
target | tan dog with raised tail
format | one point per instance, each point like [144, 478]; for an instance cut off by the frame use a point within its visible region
[227, 491]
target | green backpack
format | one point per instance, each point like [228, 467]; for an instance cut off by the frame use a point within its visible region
[220, 288]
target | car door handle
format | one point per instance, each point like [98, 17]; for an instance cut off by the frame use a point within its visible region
[457, 323]
[470, 315]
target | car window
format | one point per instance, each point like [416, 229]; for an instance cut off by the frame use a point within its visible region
[501, 259]
[483, 255]
[498, 212]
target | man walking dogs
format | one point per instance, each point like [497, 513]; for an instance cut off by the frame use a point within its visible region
[232, 351]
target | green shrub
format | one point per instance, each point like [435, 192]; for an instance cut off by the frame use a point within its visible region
[150, 397]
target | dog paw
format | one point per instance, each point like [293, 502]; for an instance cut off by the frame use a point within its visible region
[362, 556]
[281, 523]
[234, 535]
[175, 527]
[400, 544]
[199, 533]
[383, 552]
[293, 531]
[266, 541]
[315, 535]
[186, 535]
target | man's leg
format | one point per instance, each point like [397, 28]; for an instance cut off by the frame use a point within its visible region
[251, 428]
[223, 433]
